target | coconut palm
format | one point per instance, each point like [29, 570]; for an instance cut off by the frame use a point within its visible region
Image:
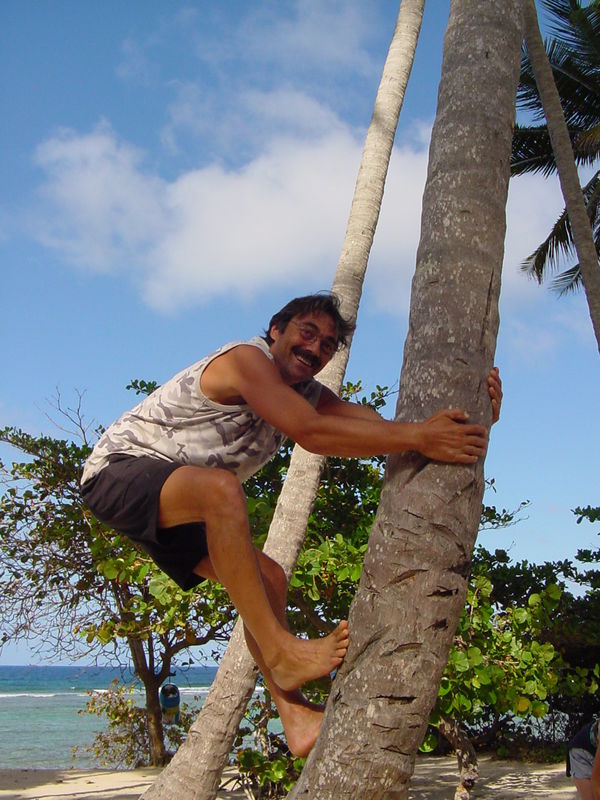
[574, 55]
[414, 577]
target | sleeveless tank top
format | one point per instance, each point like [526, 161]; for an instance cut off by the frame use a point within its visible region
[179, 423]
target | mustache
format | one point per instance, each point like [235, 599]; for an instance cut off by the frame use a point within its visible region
[307, 355]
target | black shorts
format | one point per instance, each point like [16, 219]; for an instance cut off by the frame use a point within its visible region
[125, 495]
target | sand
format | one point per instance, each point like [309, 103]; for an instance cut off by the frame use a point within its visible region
[434, 779]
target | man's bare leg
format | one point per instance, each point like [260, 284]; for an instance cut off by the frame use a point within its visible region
[215, 496]
[584, 788]
[300, 718]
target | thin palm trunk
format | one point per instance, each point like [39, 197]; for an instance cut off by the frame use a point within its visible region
[197, 767]
[466, 756]
[415, 573]
[583, 237]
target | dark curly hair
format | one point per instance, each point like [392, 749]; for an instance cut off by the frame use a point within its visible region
[326, 302]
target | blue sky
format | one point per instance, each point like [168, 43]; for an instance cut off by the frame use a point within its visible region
[174, 173]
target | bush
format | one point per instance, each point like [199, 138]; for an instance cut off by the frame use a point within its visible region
[125, 742]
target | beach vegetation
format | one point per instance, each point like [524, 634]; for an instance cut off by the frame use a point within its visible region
[75, 589]
[516, 683]
[523, 650]
[124, 743]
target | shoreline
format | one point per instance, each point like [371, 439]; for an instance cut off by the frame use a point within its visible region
[435, 778]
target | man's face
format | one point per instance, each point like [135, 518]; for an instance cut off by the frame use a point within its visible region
[304, 347]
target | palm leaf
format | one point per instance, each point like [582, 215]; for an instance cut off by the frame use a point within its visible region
[545, 258]
[558, 245]
[532, 149]
[574, 55]
[568, 282]
[577, 26]
[587, 143]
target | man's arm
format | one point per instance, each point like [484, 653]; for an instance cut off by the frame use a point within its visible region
[445, 436]
[596, 776]
[330, 403]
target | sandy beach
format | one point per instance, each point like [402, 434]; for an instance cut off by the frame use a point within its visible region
[434, 779]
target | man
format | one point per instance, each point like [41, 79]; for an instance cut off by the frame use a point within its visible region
[168, 474]
[583, 761]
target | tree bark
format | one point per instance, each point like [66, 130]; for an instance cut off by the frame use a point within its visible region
[565, 163]
[415, 574]
[195, 771]
[156, 740]
[465, 755]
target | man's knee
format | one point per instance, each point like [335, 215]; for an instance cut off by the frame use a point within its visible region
[225, 488]
[200, 493]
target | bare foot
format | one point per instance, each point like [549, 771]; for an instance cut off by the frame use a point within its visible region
[302, 660]
[301, 722]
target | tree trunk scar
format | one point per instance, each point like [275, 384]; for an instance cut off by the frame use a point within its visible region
[442, 592]
[440, 624]
[491, 294]
[404, 576]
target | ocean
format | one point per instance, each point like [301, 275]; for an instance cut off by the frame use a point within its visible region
[39, 719]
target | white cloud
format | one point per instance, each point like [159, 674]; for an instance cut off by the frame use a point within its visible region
[307, 46]
[249, 120]
[135, 65]
[208, 232]
[393, 258]
[279, 217]
[98, 206]
[313, 35]
[534, 204]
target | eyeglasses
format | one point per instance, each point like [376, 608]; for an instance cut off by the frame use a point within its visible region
[310, 335]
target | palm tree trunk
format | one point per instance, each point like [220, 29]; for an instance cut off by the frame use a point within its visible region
[415, 573]
[465, 755]
[565, 162]
[196, 768]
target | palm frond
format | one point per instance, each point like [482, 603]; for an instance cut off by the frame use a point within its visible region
[532, 149]
[587, 144]
[574, 56]
[545, 258]
[558, 245]
[578, 85]
[568, 282]
[576, 25]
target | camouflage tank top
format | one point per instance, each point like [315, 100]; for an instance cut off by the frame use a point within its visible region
[179, 423]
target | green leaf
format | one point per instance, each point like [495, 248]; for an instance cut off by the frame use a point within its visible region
[554, 591]
[484, 676]
[522, 705]
[521, 615]
[109, 569]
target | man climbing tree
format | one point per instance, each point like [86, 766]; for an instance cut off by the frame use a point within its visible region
[167, 474]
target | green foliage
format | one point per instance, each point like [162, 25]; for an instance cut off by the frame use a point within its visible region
[267, 770]
[125, 741]
[589, 513]
[88, 588]
[61, 565]
[497, 665]
[142, 387]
